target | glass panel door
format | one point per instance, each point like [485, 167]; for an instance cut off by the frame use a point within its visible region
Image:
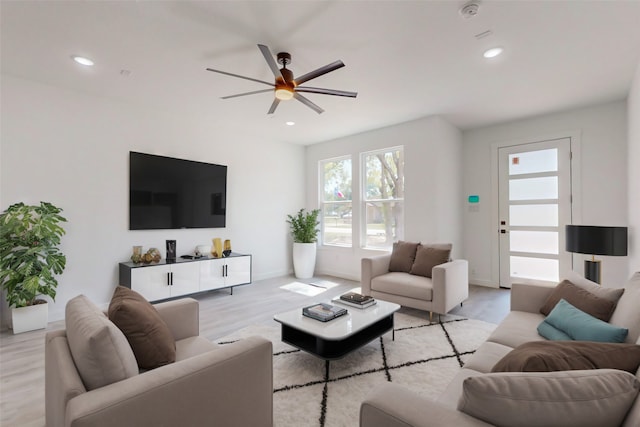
[535, 204]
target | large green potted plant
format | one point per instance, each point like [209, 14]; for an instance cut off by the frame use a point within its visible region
[304, 229]
[29, 261]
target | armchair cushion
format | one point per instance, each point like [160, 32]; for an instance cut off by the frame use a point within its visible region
[428, 256]
[149, 336]
[99, 349]
[580, 298]
[402, 256]
[596, 397]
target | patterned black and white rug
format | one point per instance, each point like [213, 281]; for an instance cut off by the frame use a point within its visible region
[424, 357]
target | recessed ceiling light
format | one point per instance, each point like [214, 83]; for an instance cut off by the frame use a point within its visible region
[290, 123]
[493, 52]
[82, 60]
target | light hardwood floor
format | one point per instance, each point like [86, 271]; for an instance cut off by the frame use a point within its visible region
[22, 355]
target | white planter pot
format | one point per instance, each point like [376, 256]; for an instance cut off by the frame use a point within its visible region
[29, 318]
[304, 260]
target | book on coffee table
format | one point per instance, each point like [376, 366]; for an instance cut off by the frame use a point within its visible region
[356, 298]
[354, 304]
[323, 312]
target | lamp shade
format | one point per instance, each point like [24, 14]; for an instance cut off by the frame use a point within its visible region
[596, 240]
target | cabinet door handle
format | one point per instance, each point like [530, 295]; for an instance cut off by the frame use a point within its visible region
[171, 278]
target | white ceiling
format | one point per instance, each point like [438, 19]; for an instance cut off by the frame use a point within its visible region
[406, 59]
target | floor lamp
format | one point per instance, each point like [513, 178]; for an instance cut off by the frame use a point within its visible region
[596, 240]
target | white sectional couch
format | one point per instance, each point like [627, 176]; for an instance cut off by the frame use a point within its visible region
[394, 406]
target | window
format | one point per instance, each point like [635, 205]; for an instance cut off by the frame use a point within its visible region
[336, 201]
[383, 197]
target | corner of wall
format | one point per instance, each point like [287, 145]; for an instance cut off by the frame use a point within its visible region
[633, 171]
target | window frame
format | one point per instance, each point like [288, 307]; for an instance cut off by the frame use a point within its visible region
[323, 203]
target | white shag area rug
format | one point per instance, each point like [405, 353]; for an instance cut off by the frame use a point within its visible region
[423, 357]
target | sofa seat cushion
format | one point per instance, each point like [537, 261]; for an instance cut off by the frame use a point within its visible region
[548, 356]
[517, 328]
[486, 356]
[627, 314]
[99, 349]
[149, 336]
[591, 398]
[193, 346]
[407, 285]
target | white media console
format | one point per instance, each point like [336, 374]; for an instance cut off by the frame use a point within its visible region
[163, 280]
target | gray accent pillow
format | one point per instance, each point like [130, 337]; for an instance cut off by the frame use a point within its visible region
[402, 257]
[612, 294]
[428, 256]
[591, 398]
[99, 349]
[580, 298]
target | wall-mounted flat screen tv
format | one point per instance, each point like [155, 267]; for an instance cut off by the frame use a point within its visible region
[168, 193]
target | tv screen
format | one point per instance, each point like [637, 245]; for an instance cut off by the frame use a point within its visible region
[168, 193]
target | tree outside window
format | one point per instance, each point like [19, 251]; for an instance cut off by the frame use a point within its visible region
[383, 197]
[336, 201]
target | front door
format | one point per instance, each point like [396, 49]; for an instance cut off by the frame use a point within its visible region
[535, 204]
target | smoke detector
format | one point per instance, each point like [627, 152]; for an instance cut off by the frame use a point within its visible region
[470, 10]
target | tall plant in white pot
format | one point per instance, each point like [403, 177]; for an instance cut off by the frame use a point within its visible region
[304, 229]
[29, 259]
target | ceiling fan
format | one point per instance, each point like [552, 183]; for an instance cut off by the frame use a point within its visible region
[286, 86]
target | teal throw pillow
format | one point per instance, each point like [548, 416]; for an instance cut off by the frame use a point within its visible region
[581, 326]
[549, 332]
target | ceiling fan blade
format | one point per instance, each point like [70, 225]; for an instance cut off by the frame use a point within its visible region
[270, 61]
[274, 105]
[239, 76]
[319, 72]
[326, 91]
[247, 93]
[308, 103]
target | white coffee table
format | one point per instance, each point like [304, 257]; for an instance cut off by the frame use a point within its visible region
[336, 338]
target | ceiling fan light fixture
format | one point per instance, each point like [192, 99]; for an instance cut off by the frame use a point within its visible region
[284, 93]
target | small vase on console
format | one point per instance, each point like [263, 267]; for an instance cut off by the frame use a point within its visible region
[216, 249]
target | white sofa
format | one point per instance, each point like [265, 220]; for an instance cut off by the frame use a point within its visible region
[394, 406]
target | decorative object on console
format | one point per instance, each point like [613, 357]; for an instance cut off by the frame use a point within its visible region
[202, 250]
[29, 259]
[304, 229]
[171, 250]
[136, 257]
[227, 248]
[152, 255]
[596, 240]
[216, 249]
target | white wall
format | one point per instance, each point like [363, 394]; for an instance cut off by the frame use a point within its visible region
[73, 150]
[633, 159]
[432, 149]
[602, 132]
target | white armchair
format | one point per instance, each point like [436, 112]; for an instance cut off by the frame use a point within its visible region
[447, 287]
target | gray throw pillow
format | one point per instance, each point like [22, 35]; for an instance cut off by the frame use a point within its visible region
[591, 398]
[99, 349]
[428, 256]
[402, 257]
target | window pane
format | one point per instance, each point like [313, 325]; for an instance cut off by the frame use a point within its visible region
[336, 180]
[383, 195]
[336, 224]
[384, 224]
[384, 174]
[533, 162]
[534, 215]
[533, 188]
[535, 268]
[541, 242]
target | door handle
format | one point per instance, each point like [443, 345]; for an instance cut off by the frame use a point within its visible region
[503, 231]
